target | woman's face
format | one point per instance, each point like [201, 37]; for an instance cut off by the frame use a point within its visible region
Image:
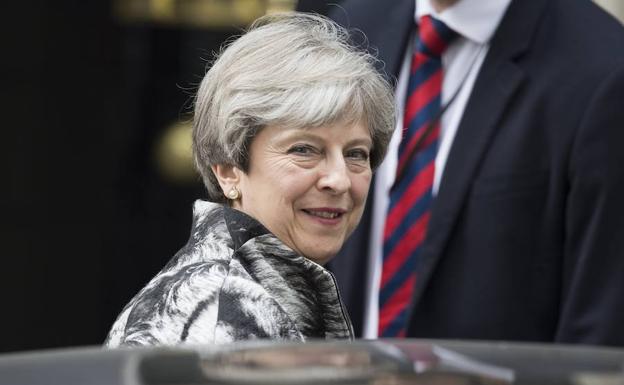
[308, 186]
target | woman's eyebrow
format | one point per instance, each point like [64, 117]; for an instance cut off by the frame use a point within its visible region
[306, 134]
[364, 140]
[298, 134]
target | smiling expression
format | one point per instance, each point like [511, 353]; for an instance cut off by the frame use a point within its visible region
[308, 186]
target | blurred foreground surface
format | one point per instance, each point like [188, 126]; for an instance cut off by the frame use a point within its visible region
[361, 362]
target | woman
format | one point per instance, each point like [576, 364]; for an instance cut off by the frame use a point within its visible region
[289, 123]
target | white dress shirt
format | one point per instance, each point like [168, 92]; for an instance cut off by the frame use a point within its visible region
[475, 21]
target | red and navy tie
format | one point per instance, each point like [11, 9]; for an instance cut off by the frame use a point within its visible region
[411, 196]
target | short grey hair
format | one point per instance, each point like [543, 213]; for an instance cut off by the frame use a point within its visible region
[293, 70]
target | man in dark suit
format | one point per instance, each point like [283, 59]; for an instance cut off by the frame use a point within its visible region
[526, 234]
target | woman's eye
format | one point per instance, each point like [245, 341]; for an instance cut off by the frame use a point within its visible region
[302, 150]
[358, 154]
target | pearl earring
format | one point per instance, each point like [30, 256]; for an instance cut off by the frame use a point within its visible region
[233, 194]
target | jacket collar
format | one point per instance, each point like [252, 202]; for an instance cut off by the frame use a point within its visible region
[241, 226]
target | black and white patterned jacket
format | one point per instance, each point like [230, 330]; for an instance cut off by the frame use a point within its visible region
[233, 280]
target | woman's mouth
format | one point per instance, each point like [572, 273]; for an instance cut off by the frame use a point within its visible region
[325, 213]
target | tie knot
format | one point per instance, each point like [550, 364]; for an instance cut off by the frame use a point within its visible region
[433, 36]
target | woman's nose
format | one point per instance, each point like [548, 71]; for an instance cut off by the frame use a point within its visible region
[334, 177]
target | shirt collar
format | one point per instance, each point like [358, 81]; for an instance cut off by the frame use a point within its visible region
[476, 20]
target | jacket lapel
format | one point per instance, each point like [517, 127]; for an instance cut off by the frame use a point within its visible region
[497, 83]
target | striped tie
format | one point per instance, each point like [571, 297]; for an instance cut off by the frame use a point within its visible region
[411, 196]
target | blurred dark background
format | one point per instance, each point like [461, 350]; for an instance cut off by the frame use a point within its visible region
[97, 193]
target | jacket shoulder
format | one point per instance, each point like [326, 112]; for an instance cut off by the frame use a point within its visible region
[163, 312]
[184, 291]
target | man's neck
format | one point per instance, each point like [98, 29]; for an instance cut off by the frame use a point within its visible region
[441, 5]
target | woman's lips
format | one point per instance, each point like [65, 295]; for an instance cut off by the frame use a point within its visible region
[326, 215]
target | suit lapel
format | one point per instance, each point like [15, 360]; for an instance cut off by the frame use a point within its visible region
[497, 83]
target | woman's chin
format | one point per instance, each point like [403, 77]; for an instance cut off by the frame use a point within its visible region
[321, 256]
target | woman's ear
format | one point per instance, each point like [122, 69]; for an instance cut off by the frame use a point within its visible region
[229, 178]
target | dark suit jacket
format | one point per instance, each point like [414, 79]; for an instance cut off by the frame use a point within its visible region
[526, 239]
